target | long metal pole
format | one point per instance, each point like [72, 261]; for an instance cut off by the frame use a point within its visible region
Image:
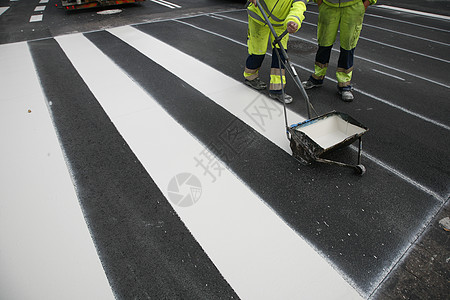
[294, 74]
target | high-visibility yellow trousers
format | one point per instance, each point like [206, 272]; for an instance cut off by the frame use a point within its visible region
[348, 20]
[257, 42]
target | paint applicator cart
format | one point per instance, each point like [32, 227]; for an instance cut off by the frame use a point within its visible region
[312, 139]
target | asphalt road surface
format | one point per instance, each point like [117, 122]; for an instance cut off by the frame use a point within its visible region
[135, 163]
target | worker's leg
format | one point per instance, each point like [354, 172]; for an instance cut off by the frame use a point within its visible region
[327, 28]
[257, 41]
[275, 79]
[277, 70]
[351, 25]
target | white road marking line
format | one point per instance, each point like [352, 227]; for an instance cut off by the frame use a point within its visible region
[405, 110]
[415, 12]
[395, 20]
[170, 3]
[382, 65]
[387, 74]
[3, 9]
[356, 56]
[424, 118]
[40, 8]
[43, 1]
[407, 22]
[395, 47]
[405, 178]
[408, 35]
[166, 3]
[406, 50]
[215, 17]
[45, 242]
[261, 235]
[36, 18]
[275, 128]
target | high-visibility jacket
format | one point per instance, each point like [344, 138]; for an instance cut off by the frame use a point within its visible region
[280, 12]
[343, 3]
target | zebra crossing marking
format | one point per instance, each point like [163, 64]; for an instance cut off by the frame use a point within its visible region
[3, 9]
[166, 4]
[264, 241]
[36, 18]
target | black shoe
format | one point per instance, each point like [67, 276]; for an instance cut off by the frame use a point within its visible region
[256, 83]
[287, 98]
[308, 84]
[346, 96]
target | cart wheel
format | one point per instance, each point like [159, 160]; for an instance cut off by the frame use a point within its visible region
[360, 169]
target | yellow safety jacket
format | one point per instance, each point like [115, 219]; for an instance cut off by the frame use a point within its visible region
[343, 3]
[280, 12]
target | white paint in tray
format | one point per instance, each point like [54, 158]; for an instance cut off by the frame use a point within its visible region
[330, 131]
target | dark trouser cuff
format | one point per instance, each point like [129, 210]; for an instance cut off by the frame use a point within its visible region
[345, 88]
[278, 92]
[315, 81]
[254, 61]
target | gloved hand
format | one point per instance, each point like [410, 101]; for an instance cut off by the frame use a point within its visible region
[366, 3]
[292, 27]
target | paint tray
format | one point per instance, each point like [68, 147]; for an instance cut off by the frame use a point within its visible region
[313, 138]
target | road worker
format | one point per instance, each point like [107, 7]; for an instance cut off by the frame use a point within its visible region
[283, 15]
[347, 16]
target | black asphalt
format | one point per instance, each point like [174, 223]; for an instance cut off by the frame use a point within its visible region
[440, 7]
[350, 204]
[15, 25]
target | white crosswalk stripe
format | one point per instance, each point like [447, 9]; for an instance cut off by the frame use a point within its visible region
[44, 239]
[3, 9]
[166, 4]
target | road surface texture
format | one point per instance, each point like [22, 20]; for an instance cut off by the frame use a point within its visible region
[135, 164]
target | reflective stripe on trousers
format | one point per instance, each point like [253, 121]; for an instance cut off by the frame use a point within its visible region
[258, 39]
